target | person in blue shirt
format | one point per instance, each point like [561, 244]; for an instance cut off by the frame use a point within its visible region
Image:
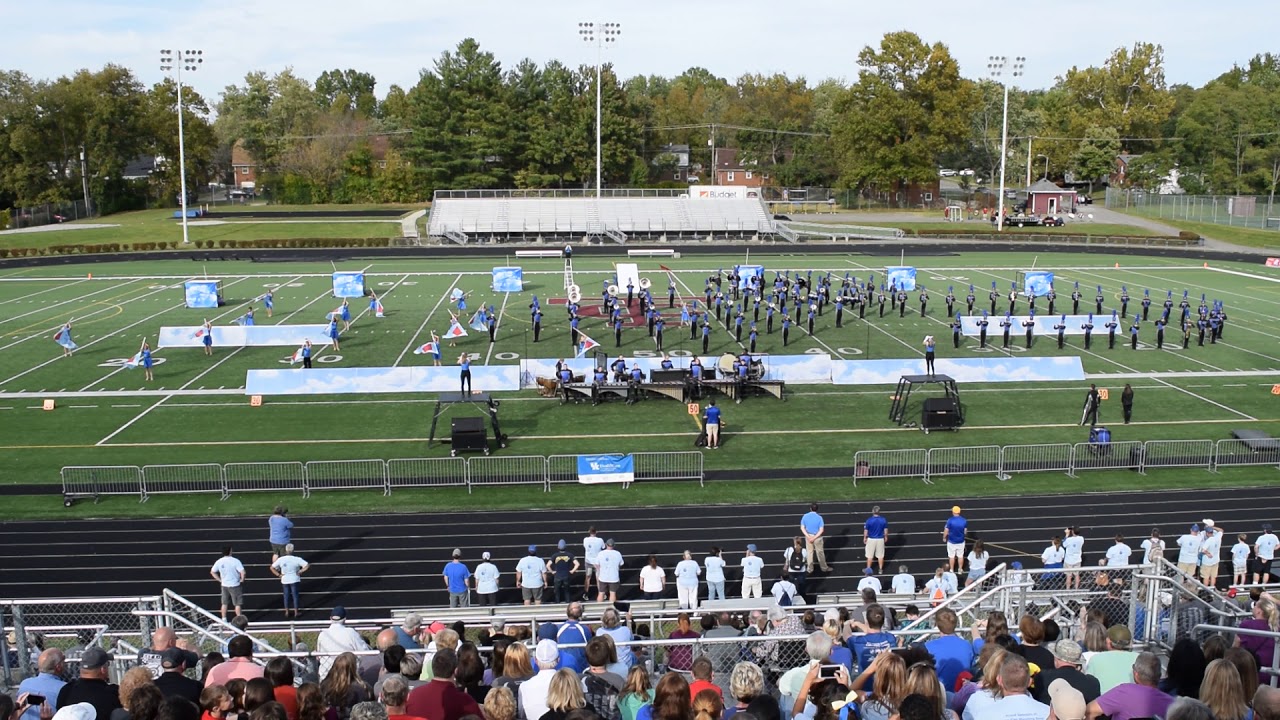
[600, 377]
[457, 579]
[1160, 334]
[464, 364]
[695, 378]
[713, 421]
[537, 324]
[658, 326]
[333, 333]
[565, 376]
[706, 335]
[346, 315]
[667, 364]
[492, 324]
[751, 338]
[1133, 336]
[268, 301]
[373, 302]
[952, 654]
[145, 361]
[248, 317]
[953, 533]
[744, 371]
[633, 384]
[929, 347]
[875, 532]
[811, 316]
[873, 640]
[306, 355]
[206, 337]
[786, 329]
[617, 331]
[768, 325]
[737, 326]
[281, 531]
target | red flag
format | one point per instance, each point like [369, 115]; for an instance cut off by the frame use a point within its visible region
[664, 268]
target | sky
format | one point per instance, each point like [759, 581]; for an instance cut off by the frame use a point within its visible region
[816, 39]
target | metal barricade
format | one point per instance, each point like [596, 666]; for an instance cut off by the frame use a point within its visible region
[1056, 457]
[426, 472]
[1236, 453]
[1178, 453]
[974, 460]
[669, 466]
[346, 475]
[913, 462]
[1107, 456]
[97, 480]
[562, 469]
[182, 479]
[265, 476]
[492, 470]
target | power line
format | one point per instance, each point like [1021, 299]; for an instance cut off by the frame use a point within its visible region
[343, 135]
[716, 126]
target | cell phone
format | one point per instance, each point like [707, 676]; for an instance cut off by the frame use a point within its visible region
[828, 672]
[35, 700]
[622, 607]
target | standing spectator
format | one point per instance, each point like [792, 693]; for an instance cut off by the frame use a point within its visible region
[441, 699]
[239, 664]
[1073, 549]
[1210, 554]
[784, 591]
[1053, 557]
[1118, 555]
[487, 575]
[680, 657]
[533, 692]
[172, 682]
[1185, 669]
[1115, 665]
[875, 532]
[751, 566]
[608, 572]
[591, 547]
[703, 672]
[92, 686]
[562, 566]
[289, 568]
[162, 639]
[337, 638]
[795, 560]
[653, 579]
[953, 534]
[1137, 699]
[951, 653]
[1245, 663]
[457, 580]
[1189, 551]
[1153, 548]
[230, 574]
[281, 531]
[531, 577]
[904, 583]
[1240, 560]
[140, 699]
[47, 683]
[814, 529]
[715, 574]
[611, 625]
[687, 572]
[888, 673]
[1264, 552]
[978, 558]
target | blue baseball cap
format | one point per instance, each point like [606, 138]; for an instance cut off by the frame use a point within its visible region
[533, 548]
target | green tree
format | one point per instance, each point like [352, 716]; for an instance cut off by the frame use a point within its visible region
[1095, 157]
[349, 90]
[1127, 94]
[198, 137]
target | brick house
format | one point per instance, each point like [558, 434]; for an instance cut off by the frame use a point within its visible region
[244, 168]
[731, 171]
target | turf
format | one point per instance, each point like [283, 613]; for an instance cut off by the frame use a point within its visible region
[1071, 228]
[815, 427]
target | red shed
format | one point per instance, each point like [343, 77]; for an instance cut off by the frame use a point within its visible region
[1046, 198]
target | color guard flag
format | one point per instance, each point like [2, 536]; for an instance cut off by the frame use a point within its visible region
[334, 314]
[456, 294]
[455, 331]
[296, 357]
[63, 338]
[430, 348]
[585, 344]
[134, 361]
[241, 320]
[377, 308]
[478, 322]
[198, 334]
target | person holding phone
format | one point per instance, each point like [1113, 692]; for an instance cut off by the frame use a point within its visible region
[40, 693]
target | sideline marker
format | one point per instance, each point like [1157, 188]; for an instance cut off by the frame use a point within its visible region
[1103, 393]
[49, 404]
[255, 401]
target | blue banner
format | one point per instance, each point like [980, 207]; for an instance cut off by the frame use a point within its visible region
[348, 284]
[1037, 282]
[904, 278]
[598, 469]
[203, 293]
[508, 279]
[746, 271]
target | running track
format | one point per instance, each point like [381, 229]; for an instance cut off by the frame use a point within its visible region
[374, 563]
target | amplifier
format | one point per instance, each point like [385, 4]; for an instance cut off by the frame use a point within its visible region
[468, 434]
[940, 414]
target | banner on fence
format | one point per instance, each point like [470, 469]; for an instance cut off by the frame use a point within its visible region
[599, 469]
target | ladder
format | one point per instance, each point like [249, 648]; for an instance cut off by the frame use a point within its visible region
[568, 271]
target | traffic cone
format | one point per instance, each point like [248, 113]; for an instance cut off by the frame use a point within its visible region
[1117, 266]
[91, 274]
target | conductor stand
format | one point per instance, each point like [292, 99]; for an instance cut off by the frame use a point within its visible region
[568, 266]
[937, 413]
[445, 401]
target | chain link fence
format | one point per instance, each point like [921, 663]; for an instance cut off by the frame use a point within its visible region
[1260, 212]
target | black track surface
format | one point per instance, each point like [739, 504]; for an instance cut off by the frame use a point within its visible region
[374, 563]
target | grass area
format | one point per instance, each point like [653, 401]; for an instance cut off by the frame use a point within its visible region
[817, 426]
[986, 227]
[1248, 237]
[332, 207]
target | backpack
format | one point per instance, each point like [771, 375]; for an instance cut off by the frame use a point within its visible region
[602, 696]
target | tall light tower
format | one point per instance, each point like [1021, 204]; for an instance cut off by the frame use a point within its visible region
[997, 65]
[600, 33]
[177, 61]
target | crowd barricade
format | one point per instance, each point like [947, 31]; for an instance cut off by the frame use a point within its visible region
[182, 479]
[492, 470]
[346, 475]
[450, 472]
[1178, 453]
[975, 460]
[85, 481]
[913, 462]
[562, 469]
[1238, 453]
[669, 466]
[1054, 457]
[1108, 456]
[265, 477]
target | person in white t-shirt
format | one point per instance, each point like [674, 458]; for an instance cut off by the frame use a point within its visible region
[937, 587]
[687, 573]
[653, 579]
[1015, 702]
[229, 572]
[591, 547]
[1073, 547]
[715, 574]
[487, 575]
[1264, 551]
[904, 583]
[1210, 553]
[1240, 560]
[1119, 553]
[1189, 550]
[1053, 557]
[978, 558]
[289, 568]
[608, 572]
[784, 588]
[531, 576]
[869, 580]
[751, 567]
[1153, 548]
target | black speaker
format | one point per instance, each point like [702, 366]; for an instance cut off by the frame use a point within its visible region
[940, 414]
[468, 434]
[668, 375]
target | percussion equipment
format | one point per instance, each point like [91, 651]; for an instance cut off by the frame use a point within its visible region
[575, 294]
[645, 283]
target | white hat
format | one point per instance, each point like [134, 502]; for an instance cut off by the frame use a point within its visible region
[1208, 524]
[78, 711]
[547, 653]
[832, 614]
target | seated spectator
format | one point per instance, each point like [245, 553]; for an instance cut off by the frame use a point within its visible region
[267, 711]
[680, 657]
[409, 633]
[1015, 700]
[951, 654]
[516, 668]
[872, 639]
[533, 692]
[1138, 699]
[817, 647]
[499, 704]
[984, 631]
[707, 705]
[923, 680]
[1067, 657]
[173, 663]
[564, 695]
[904, 583]
[978, 694]
[1266, 703]
[1214, 647]
[441, 699]
[636, 693]
[671, 700]
[1095, 640]
[723, 655]
[132, 680]
[611, 625]
[888, 688]
[784, 591]
[236, 688]
[1184, 671]
[279, 672]
[1223, 692]
[342, 687]
[1115, 666]
[395, 695]
[602, 687]
[745, 683]
[779, 655]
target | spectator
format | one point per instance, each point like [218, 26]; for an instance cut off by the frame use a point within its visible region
[1115, 666]
[1214, 647]
[236, 688]
[954, 534]
[1189, 709]
[487, 575]
[653, 579]
[337, 638]
[671, 700]
[780, 655]
[470, 672]
[1095, 640]
[289, 568]
[1153, 548]
[687, 572]
[1264, 553]
[1210, 553]
[279, 672]
[1066, 702]
[135, 678]
[443, 639]
[373, 667]
[258, 692]
[916, 707]
[499, 704]
[751, 566]
[342, 686]
[795, 562]
[703, 679]
[564, 695]
[1032, 631]
[311, 704]
[48, 682]
[533, 692]
[161, 639]
[814, 529]
[888, 688]
[1015, 700]
[984, 631]
[1189, 551]
[92, 686]
[1114, 609]
[609, 572]
[746, 682]
[611, 625]
[440, 699]
[875, 532]
[873, 640]
[1185, 670]
[715, 574]
[1223, 692]
[531, 577]
[680, 657]
[904, 583]
[707, 704]
[723, 655]
[562, 567]
[229, 573]
[216, 703]
[978, 694]
[1266, 616]
[923, 681]
[978, 558]
[1266, 703]
[1138, 699]
[785, 592]
[1067, 656]
[601, 686]
[817, 648]
[281, 531]
[368, 710]
[869, 580]
[515, 669]
[1246, 665]
[172, 682]
[952, 654]
[840, 653]
[636, 693]
[573, 632]
[409, 632]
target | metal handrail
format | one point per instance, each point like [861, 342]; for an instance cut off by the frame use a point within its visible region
[1273, 670]
[975, 585]
[170, 595]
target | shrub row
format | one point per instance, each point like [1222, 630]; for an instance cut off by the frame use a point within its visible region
[96, 249]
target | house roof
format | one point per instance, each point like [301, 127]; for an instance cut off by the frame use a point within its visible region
[675, 148]
[1127, 158]
[240, 156]
[139, 167]
[727, 159]
[1046, 186]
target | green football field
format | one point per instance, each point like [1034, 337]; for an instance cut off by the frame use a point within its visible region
[195, 410]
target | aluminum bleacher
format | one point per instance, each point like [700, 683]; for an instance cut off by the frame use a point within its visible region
[499, 215]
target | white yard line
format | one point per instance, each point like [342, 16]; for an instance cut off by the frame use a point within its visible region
[81, 298]
[41, 292]
[413, 340]
[52, 328]
[501, 310]
[1245, 274]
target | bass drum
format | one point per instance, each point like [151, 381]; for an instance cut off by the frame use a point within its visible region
[725, 364]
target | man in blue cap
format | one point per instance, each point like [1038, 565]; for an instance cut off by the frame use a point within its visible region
[562, 566]
[752, 566]
[457, 579]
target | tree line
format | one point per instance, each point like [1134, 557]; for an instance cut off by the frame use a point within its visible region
[471, 123]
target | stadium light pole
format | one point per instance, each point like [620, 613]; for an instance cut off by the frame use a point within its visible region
[177, 61]
[600, 33]
[997, 65]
